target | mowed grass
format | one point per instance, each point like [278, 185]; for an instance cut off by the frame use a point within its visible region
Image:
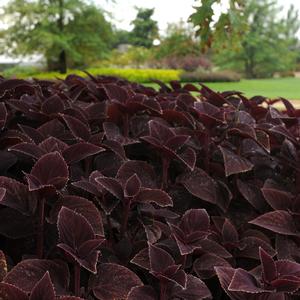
[288, 88]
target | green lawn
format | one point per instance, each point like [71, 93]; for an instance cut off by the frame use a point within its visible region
[278, 87]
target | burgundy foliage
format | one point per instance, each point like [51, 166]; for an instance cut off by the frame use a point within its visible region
[113, 190]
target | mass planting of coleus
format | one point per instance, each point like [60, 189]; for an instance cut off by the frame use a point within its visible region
[113, 190]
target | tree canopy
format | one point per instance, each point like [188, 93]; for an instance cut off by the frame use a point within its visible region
[268, 45]
[67, 32]
[145, 29]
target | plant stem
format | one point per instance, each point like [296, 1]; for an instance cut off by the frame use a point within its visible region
[125, 216]
[110, 231]
[126, 125]
[163, 290]
[165, 169]
[184, 261]
[77, 279]
[40, 228]
[206, 152]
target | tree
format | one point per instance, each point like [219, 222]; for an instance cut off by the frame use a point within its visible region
[66, 32]
[180, 49]
[145, 29]
[269, 44]
[179, 40]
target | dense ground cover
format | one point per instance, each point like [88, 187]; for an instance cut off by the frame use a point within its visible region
[273, 87]
[113, 190]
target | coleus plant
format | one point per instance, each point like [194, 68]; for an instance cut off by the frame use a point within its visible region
[113, 190]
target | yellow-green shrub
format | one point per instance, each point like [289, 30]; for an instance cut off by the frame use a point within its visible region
[137, 75]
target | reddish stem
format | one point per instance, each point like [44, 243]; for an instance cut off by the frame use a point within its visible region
[206, 150]
[77, 279]
[125, 216]
[165, 169]
[184, 258]
[40, 228]
[163, 290]
[126, 125]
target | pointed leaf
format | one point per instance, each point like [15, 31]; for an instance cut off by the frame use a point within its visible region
[28, 149]
[79, 129]
[27, 273]
[278, 221]
[82, 206]
[50, 170]
[74, 231]
[233, 163]
[142, 169]
[269, 270]
[44, 289]
[200, 184]
[156, 196]
[159, 259]
[111, 185]
[242, 281]
[142, 292]
[113, 281]
[195, 290]
[80, 151]
[132, 186]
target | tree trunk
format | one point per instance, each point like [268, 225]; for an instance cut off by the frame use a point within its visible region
[62, 59]
[62, 65]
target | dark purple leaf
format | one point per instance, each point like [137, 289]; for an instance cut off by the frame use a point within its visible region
[195, 290]
[117, 93]
[44, 289]
[269, 269]
[28, 149]
[199, 184]
[14, 194]
[142, 169]
[79, 129]
[53, 105]
[82, 206]
[204, 265]
[195, 220]
[78, 239]
[242, 281]
[160, 132]
[142, 292]
[111, 185]
[11, 292]
[132, 186]
[113, 281]
[278, 221]
[156, 196]
[50, 170]
[29, 272]
[80, 151]
[233, 163]
[52, 144]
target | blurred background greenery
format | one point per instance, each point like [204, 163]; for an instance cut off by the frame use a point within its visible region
[250, 39]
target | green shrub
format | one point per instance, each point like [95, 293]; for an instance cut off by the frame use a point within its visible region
[137, 75]
[20, 71]
[286, 74]
[200, 76]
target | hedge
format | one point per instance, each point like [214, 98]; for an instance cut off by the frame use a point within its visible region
[137, 75]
